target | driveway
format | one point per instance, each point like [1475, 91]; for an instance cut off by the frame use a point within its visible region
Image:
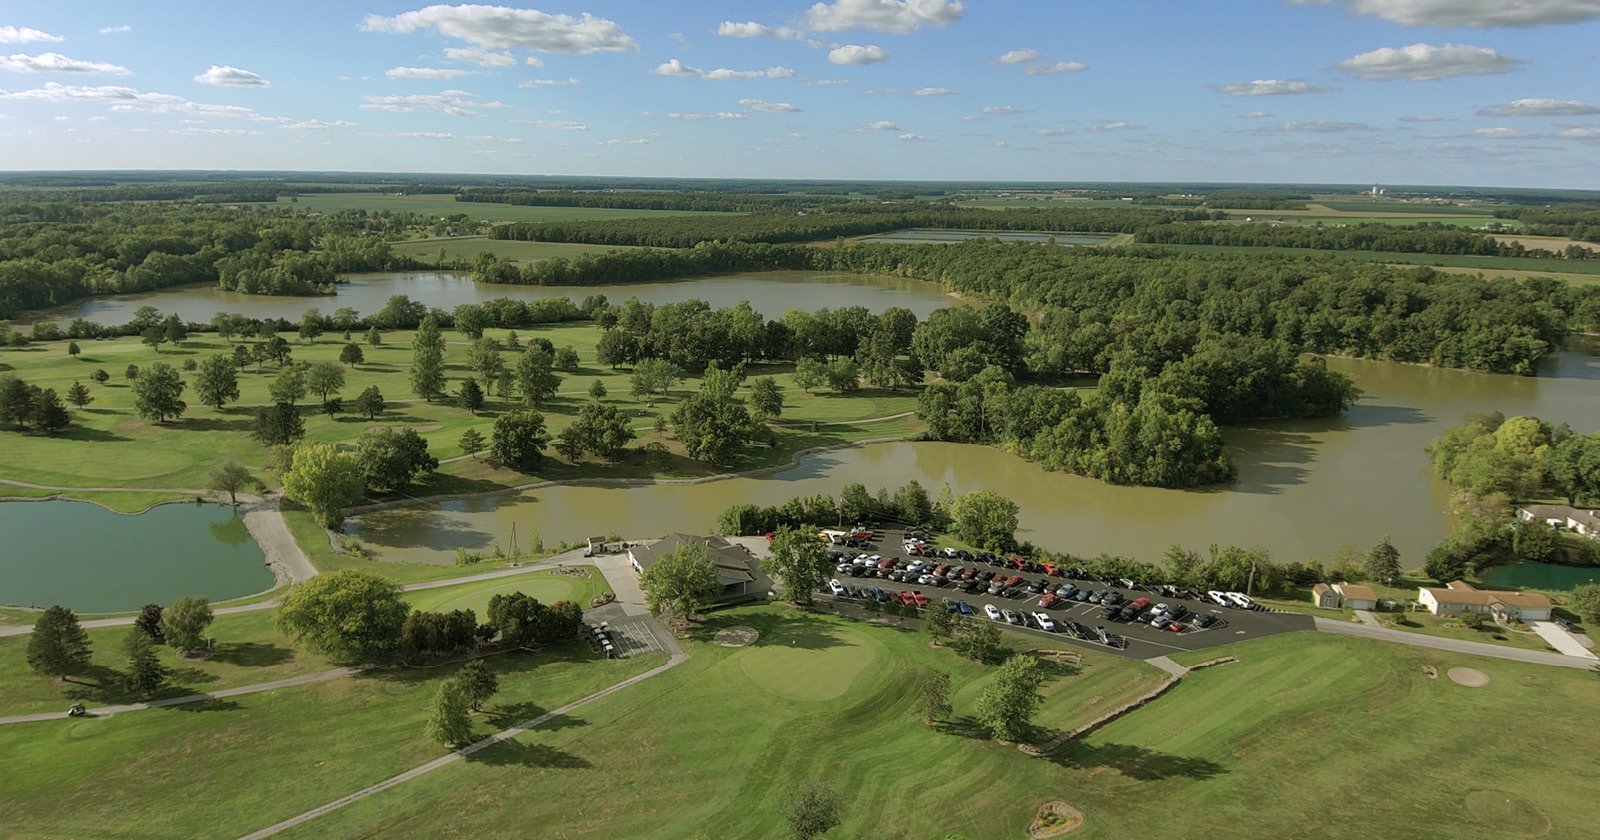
[1561, 640]
[624, 581]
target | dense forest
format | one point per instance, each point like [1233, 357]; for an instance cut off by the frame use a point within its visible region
[718, 200]
[1423, 238]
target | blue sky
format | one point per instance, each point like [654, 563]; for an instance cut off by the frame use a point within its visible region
[1482, 92]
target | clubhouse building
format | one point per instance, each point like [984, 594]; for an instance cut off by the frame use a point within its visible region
[737, 569]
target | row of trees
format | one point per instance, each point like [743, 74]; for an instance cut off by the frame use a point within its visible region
[59, 647]
[1423, 238]
[30, 406]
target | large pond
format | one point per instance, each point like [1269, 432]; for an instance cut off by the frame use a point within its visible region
[1305, 488]
[1553, 576]
[771, 293]
[85, 557]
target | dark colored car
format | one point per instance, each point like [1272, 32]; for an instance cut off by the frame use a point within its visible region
[986, 575]
[1177, 611]
[1203, 620]
[1113, 598]
[1037, 587]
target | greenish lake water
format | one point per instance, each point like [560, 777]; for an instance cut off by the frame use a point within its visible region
[1554, 576]
[82, 556]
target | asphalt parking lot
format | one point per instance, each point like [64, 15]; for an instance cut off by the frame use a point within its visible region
[1133, 639]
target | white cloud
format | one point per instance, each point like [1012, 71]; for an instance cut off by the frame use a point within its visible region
[1000, 110]
[535, 83]
[914, 138]
[825, 82]
[1425, 62]
[1272, 87]
[216, 132]
[52, 62]
[637, 141]
[318, 125]
[555, 125]
[674, 67]
[1579, 133]
[1422, 118]
[723, 73]
[430, 73]
[1473, 14]
[1315, 127]
[1502, 133]
[1256, 115]
[228, 76]
[858, 54]
[502, 27]
[1053, 132]
[748, 29]
[455, 103]
[770, 107]
[888, 91]
[120, 98]
[114, 30]
[932, 91]
[1023, 56]
[1050, 68]
[720, 115]
[900, 16]
[533, 61]
[881, 125]
[1118, 125]
[481, 56]
[26, 35]
[1535, 107]
[427, 135]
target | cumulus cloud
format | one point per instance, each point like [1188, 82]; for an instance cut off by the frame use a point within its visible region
[1502, 133]
[1272, 87]
[229, 76]
[1579, 133]
[455, 103]
[483, 57]
[720, 115]
[430, 73]
[120, 98]
[1000, 110]
[114, 30]
[27, 35]
[502, 27]
[748, 29]
[1537, 107]
[537, 83]
[1256, 115]
[900, 16]
[932, 91]
[1472, 14]
[1053, 132]
[1118, 125]
[555, 125]
[1022, 56]
[1316, 127]
[427, 135]
[858, 54]
[215, 132]
[1425, 62]
[52, 62]
[674, 67]
[318, 125]
[770, 107]
[1050, 68]
[1422, 118]
[637, 141]
[914, 138]
[881, 125]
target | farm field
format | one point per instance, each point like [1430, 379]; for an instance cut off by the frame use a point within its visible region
[445, 205]
[463, 249]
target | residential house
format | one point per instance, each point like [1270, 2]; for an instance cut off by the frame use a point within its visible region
[1356, 596]
[1459, 597]
[1577, 520]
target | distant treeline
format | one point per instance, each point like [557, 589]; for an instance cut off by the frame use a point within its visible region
[1257, 200]
[692, 201]
[1574, 221]
[1422, 238]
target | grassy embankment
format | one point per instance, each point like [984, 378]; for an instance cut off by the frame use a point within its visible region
[815, 695]
[109, 445]
[247, 650]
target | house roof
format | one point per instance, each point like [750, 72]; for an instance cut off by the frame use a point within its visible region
[1488, 597]
[1522, 599]
[731, 561]
[1588, 518]
[1356, 591]
[1459, 596]
[1321, 588]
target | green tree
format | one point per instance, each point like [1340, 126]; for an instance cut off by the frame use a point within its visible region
[535, 375]
[1007, 706]
[348, 615]
[566, 359]
[1383, 562]
[310, 325]
[811, 809]
[766, 398]
[130, 372]
[390, 459]
[374, 336]
[471, 395]
[16, 401]
[370, 402]
[844, 376]
[1534, 541]
[798, 561]
[351, 354]
[987, 519]
[472, 442]
[478, 682]
[184, 623]
[49, 415]
[323, 479]
[470, 320]
[518, 439]
[241, 356]
[217, 382]
[58, 646]
[149, 622]
[654, 376]
[933, 695]
[73, 350]
[278, 424]
[145, 672]
[325, 378]
[681, 583]
[230, 478]
[483, 356]
[714, 429]
[100, 376]
[427, 360]
[448, 722]
[977, 640]
[937, 624]
[1585, 599]
[600, 429]
[174, 331]
[78, 395]
[809, 373]
[597, 390]
[158, 393]
[289, 386]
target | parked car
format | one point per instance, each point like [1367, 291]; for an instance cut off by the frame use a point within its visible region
[1049, 601]
[1174, 627]
[1204, 620]
[948, 603]
[970, 586]
[992, 611]
[878, 594]
[969, 573]
[1112, 614]
[964, 607]
[919, 599]
[996, 587]
[1160, 622]
[1139, 603]
[1218, 598]
[1240, 600]
[1011, 617]
[1036, 587]
[986, 575]
[1112, 598]
[1177, 611]
[1082, 631]
[836, 587]
[1046, 623]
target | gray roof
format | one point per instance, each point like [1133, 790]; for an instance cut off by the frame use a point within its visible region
[731, 560]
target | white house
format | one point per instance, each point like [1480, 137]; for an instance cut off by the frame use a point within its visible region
[1576, 520]
[1459, 597]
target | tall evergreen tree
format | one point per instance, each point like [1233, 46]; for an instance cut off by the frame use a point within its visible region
[58, 646]
[145, 672]
[427, 360]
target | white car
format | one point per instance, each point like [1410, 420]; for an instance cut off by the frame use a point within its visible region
[844, 568]
[836, 586]
[1240, 600]
[1046, 623]
[1219, 598]
[990, 610]
[928, 580]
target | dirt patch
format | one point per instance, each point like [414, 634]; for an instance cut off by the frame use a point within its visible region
[1469, 677]
[427, 427]
[737, 636]
[1510, 814]
[1430, 672]
[1055, 819]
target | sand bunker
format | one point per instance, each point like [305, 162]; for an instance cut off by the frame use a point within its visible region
[737, 636]
[1055, 819]
[1469, 677]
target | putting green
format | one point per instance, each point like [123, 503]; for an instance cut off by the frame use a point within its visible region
[806, 668]
[548, 589]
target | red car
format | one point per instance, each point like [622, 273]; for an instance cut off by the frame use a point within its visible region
[942, 571]
[1016, 563]
[905, 598]
[886, 562]
[1014, 580]
[1140, 603]
[1049, 568]
[1174, 627]
[970, 573]
[1049, 601]
[919, 599]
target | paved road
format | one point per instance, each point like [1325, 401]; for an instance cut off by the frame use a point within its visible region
[1166, 664]
[1384, 634]
[458, 754]
[186, 491]
[264, 520]
[107, 711]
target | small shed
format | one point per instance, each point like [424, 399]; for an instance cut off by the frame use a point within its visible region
[1324, 597]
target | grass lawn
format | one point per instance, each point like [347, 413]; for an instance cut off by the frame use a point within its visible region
[710, 748]
[548, 587]
[108, 445]
[1451, 628]
[446, 205]
[248, 650]
[225, 768]
[465, 248]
